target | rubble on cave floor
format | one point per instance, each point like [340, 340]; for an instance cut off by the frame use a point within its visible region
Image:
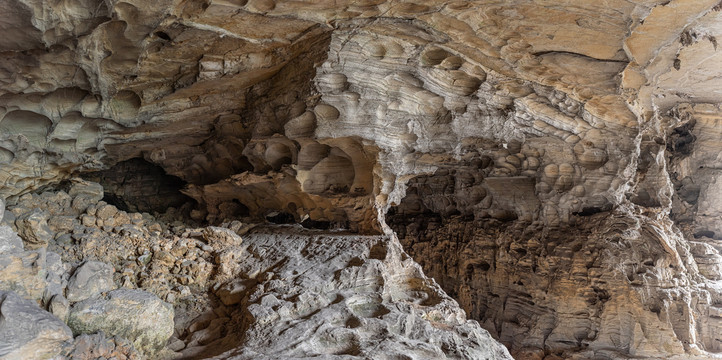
[120, 285]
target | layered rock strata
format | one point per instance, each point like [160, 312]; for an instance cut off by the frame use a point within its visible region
[552, 165]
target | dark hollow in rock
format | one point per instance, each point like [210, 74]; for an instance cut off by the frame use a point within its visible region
[137, 185]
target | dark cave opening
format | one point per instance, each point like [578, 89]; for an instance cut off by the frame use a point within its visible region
[136, 185]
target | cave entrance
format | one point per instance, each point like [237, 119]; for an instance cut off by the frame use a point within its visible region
[137, 185]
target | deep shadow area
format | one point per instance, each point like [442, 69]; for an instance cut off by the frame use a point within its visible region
[137, 185]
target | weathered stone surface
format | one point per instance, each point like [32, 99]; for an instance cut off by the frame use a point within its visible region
[10, 242]
[552, 164]
[27, 331]
[88, 280]
[60, 307]
[336, 296]
[98, 346]
[220, 238]
[132, 314]
[23, 272]
[33, 228]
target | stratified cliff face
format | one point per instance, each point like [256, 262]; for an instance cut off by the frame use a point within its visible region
[552, 165]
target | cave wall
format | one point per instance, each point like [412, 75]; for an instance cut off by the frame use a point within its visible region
[553, 166]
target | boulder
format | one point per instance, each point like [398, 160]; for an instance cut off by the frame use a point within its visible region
[220, 238]
[85, 193]
[132, 314]
[27, 331]
[33, 228]
[232, 292]
[60, 307]
[21, 271]
[90, 279]
[10, 242]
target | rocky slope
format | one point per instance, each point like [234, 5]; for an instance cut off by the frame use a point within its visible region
[553, 165]
[168, 290]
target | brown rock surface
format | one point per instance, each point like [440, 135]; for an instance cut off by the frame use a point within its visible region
[553, 165]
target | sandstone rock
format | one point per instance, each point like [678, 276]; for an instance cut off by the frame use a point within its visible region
[553, 165]
[33, 228]
[23, 272]
[89, 280]
[84, 194]
[28, 332]
[221, 238]
[106, 212]
[132, 314]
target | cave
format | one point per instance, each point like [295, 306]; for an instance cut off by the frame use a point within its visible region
[382, 179]
[136, 185]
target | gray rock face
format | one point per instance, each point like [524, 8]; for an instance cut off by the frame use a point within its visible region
[133, 314]
[27, 331]
[10, 242]
[90, 279]
[34, 274]
[23, 272]
[335, 296]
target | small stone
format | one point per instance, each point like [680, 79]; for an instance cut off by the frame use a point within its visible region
[88, 220]
[175, 344]
[106, 212]
[163, 258]
[60, 307]
[144, 259]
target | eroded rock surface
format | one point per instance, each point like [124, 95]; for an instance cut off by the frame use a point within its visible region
[243, 290]
[132, 314]
[88, 280]
[27, 331]
[554, 166]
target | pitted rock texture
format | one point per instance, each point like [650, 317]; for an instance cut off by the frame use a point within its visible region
[315, 294]
[610, 286]
[239, 291]
[552, 164]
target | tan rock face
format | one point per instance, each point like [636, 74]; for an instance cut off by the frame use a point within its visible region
[551, 164]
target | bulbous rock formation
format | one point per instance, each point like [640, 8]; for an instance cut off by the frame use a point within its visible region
[553, 166]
